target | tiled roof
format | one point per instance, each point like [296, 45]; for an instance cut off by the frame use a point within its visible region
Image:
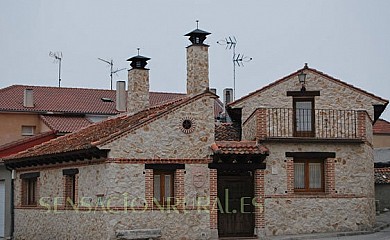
[25, 143]
[95, 134]
[382, 175]
[70, 100]
[238, 147]
[338, 81]
[381, 126]
[227, 132]
[65, 124]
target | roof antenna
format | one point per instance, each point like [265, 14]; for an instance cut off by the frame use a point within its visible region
[197, 24]
[111, 63]
[138, 51]
[239, 59]
[57, 58]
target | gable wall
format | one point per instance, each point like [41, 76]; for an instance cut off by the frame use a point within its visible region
[164, 139]
[332, 96]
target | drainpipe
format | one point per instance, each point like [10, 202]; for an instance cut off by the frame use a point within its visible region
[12, 201]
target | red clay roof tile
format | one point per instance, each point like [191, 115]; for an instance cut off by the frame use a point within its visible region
[65, 124]
[70, 100]
[382, 175]
[381, 127]
[238, 147]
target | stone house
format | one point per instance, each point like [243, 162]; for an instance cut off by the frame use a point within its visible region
[31, 115]
[296, 158]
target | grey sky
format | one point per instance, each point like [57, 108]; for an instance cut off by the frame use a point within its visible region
[349, 40]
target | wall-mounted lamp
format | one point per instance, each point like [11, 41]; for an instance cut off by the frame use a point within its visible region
[302, 80]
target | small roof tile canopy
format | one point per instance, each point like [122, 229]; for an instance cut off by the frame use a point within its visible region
[138, 61]
[197, 36]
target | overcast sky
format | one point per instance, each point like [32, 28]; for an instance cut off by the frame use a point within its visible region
[349, 40]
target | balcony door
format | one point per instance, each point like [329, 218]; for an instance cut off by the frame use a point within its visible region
[304, 117]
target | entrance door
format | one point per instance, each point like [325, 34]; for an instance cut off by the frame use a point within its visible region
[2, 207]
[236, 212]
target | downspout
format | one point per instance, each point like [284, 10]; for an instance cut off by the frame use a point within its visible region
[12, 201]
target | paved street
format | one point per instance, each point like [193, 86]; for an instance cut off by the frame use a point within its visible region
[382, 235]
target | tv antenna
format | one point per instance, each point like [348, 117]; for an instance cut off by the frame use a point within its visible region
[237, 59]
[111, 63]
[57, 58]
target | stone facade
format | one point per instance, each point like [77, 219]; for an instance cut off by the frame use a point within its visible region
[138, 90]
[112, 196]
[117, 192]
[164, 138]
[197, 69]
[334, 95]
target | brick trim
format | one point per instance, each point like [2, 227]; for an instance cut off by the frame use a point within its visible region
[179, 189]
[260, 199]
[149, 189]
[261, 123]
[213, 198]
[160, 161]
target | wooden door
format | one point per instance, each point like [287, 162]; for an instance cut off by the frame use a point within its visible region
[236, 212]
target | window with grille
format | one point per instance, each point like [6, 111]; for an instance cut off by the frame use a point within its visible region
[309, 175]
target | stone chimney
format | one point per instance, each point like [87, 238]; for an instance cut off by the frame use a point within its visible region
[120, 96]
[197, 63]
[227, 96]
[138, 85]
[28, 100]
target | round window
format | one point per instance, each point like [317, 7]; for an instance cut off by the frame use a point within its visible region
[187, 125]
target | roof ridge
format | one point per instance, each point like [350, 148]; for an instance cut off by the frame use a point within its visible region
[81, 88]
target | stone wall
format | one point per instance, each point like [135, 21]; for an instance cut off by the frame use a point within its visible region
[102, 225]
[164, 139]
[311, 215]
[138, 90]
[333, 95]
[349, 206]
[249, 128]
[197, 69]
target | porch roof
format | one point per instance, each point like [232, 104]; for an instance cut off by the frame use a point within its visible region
[239, 148]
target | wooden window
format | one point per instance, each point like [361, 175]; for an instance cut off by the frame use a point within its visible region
[304, 117]
[309, 175]
[29, 191]
[163, 182]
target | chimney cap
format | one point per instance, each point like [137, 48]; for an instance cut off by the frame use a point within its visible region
[138, 61]
[197, 36]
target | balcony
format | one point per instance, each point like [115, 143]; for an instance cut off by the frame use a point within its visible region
[308, 124]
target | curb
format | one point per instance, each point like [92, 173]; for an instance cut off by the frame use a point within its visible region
[330, 235]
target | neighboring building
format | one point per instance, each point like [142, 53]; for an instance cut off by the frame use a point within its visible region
[381, 134]
[31, 110]
[382, 163]
[296, 158]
